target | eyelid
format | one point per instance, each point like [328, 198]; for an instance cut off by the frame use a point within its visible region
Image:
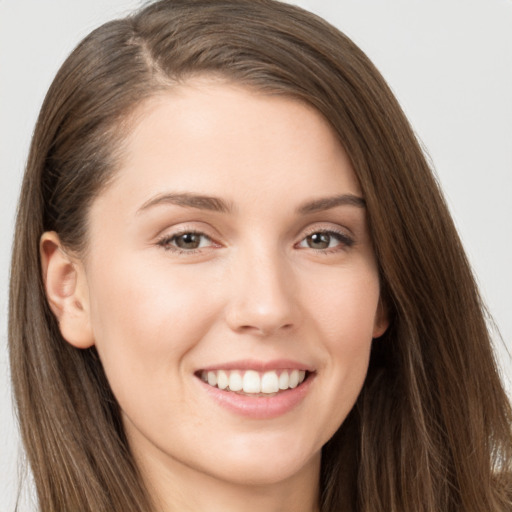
[165, 240]
[343, 235]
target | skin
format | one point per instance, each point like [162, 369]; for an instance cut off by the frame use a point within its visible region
[256, 288]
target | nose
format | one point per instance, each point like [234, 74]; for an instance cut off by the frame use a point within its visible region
[262, 294]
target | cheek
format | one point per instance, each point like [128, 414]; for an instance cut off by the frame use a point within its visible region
[344, 306]
[145, 322]
[148, 304]
[344, 313]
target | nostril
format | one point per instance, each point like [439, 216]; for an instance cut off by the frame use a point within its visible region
[264, 329]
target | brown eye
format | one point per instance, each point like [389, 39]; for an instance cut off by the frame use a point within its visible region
[188, 240]
[326, 240]
[318, 240]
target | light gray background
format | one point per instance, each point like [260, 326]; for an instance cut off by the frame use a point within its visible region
[448, 61]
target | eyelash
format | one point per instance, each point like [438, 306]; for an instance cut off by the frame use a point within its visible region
[167, 241]
[344, 240]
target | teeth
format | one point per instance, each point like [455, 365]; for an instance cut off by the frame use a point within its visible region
[284, 379]
[270, 382]
[222, 379]
[253, 382]
[212, 378]
[235, 381]
[294, 379]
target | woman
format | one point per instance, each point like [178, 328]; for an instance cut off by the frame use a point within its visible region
[225, 250]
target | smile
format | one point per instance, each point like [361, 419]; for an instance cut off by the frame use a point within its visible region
[254, 383]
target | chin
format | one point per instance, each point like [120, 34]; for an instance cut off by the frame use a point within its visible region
[266, 467]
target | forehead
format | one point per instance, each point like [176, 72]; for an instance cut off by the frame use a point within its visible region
[223, 139]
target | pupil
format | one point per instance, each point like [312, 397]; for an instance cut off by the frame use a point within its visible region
[319, 241]
[188, 241]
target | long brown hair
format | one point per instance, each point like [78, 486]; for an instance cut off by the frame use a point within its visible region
[430, 431]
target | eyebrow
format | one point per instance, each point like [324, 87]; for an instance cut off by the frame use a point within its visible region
[202, 202]
[326, 203]
[188, 200]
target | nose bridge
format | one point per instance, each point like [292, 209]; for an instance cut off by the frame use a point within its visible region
[263, 290]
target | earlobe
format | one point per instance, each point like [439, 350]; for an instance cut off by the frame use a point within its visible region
[381, 323]
[66, 291]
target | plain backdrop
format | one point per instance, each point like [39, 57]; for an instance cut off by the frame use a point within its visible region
[449, 62]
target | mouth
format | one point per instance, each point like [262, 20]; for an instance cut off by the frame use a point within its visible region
[254, 383]
[258, 390]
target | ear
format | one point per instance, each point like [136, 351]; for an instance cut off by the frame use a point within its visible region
[381, 322]
[66, 291]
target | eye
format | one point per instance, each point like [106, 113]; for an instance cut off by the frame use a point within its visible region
[324, 240]
[188, 241]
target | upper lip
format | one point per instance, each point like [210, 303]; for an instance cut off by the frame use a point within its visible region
[260, 366]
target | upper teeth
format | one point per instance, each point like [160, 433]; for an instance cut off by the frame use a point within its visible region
[251, 381]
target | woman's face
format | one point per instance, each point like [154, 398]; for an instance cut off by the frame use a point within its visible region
[232, 247]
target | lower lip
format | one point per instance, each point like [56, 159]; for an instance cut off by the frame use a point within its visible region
[260, 407]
